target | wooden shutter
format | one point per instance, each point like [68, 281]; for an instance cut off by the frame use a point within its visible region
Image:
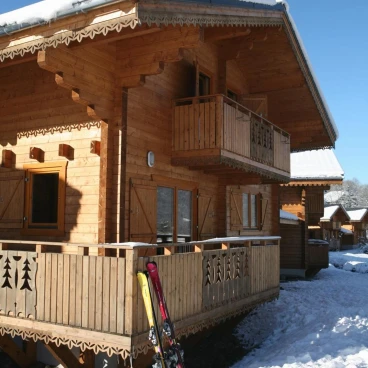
[236, 210]
[143, 212]
[206, 215]
[11, 199]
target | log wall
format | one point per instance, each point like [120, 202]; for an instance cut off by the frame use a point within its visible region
[35, 112]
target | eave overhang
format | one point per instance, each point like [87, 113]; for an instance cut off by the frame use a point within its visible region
[116, 15]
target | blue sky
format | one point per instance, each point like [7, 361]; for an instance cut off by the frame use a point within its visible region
[335, 36]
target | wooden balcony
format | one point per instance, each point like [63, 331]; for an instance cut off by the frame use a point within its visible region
[218, 135]
[88, 296]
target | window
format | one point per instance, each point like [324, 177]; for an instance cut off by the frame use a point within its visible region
[45, 199]
[232, 95]
[251, 211]
[204, 84]
[175, 213]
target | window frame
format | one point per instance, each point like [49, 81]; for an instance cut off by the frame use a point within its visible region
[30, 228]
[176, 185]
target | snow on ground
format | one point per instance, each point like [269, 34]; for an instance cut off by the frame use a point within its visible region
[319, 323]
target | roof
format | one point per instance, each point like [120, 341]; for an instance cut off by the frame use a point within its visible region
[315, 165]
[329, 211]
[357, 214]
[137, 13]
[345, 231]
[288, 218]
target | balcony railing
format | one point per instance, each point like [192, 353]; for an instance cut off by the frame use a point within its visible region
[79, 288]
[216, 122]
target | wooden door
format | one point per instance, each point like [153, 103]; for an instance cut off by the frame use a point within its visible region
[11, 199]
[206, 215]
[143, 212]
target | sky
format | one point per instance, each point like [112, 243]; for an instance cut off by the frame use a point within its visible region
[319, 323]
[334, 34]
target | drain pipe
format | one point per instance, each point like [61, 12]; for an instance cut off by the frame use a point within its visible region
[77, 7]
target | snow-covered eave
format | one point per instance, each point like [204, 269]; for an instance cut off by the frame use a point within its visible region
[311, 78]
[78, 7]
[317, 180]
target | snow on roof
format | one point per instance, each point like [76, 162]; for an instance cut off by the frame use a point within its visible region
[333, 196]
[316, 164]
[329, 212]
[345, 231]
[288, 216]
[46, 10]
[357, 215]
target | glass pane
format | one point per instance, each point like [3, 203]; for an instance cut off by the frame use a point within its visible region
[245, 210]
[184, 216]
[253, 199]
[45, 198]
[165, 214]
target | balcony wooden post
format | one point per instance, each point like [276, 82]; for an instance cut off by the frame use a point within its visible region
[219, 121]
[131, 292]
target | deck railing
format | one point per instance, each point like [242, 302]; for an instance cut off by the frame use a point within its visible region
[95, 287]
[216, 121]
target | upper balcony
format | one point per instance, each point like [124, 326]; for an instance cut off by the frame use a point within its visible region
[222, 137]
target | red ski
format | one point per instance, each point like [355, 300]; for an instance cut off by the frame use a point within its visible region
[177, 353]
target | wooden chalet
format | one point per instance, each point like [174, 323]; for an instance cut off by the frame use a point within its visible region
[331, 223]
[136, 130]
[312, 172]
[358, 223]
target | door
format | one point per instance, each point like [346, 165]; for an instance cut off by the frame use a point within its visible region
[11, 199]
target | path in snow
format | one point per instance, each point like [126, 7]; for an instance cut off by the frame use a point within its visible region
[319, 323]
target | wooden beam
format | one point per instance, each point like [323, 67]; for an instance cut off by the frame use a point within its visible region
[8, 345]
[63, 355]
[91, 85]
[213, 34]
[31, 351]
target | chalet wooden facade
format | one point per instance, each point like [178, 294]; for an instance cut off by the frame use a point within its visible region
[312, 172]
[358, 223]
[331, 223]
[154, 122]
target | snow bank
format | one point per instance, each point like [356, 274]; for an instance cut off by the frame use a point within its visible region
[354, 260]
[319, 323]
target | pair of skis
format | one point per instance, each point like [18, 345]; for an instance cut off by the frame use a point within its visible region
[174, 356]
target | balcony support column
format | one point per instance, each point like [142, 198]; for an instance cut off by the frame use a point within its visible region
[221, 79]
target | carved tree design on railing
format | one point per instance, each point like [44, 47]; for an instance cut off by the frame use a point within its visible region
[18, 284]
[261, 148]
[226, 276]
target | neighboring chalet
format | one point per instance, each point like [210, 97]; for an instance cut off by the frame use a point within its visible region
[358, 223]
[312, 172]
[157, 122]
[331, 223]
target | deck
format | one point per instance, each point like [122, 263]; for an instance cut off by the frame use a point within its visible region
[206, 133]
[55, 292]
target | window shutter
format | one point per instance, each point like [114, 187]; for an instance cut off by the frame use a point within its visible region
[236, 210]
[143, 211]
[11, 199]
[206, 215]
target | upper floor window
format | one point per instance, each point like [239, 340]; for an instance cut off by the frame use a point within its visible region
[45, 198]
[232, 95]
[204, 84]
[251, 211]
